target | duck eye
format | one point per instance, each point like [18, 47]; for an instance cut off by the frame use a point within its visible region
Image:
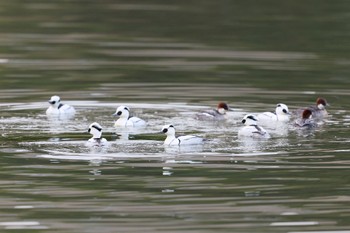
[165, 130]
[285, 111]
[89, 130]
[53, 102]
[243, 121]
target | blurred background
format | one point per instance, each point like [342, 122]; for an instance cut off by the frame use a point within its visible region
[57, 46]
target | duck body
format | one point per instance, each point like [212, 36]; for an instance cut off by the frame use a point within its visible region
[305, 123]
[172, 140]
[251, 129]
[97, 140]
[217, 114]
[306, 120]
[210, 115]
[183, 140]
[125, 120]
[130, 122]
[318, 110]
[281, 114]
[58, 109]
[318, 113]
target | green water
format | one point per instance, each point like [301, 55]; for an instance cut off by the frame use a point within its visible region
[80, 44]
[168, 60]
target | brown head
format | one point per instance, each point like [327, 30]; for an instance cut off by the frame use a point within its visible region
[306, 114]
[321, 103]
[222, 108]
[223, 105]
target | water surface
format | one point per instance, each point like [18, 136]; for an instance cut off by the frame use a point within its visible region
[168, 61]
[53, 181]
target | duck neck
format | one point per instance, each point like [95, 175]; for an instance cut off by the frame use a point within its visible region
[97, 135]
[169, 139]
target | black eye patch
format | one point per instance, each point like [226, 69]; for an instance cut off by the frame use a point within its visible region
[252, 118]
[243, 121]
[165, 130]
[119, 113]
[98, 128]
[285, 111]
[52, 102]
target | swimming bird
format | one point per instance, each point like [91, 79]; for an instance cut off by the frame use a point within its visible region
[96, 130]
[215, 114]
[58, 109]
[281, 114]
[125, 120]
[251, 129]
[172, 140]
[318, 111]
[305, 120]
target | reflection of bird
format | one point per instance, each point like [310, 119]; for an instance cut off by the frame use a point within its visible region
[125, 120]
[251, 129]
[172, 140]
[96, 130]
[305, 120]
[214, 114]
[281, 114]
[58, 109]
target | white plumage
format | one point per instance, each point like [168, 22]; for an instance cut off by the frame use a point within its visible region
[125, 120]
[172, 140]
[281, 114]
[96, 130]
[251, 129]
[58, 109]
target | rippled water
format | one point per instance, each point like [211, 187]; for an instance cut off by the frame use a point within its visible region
[168, 61]
[296, 181]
